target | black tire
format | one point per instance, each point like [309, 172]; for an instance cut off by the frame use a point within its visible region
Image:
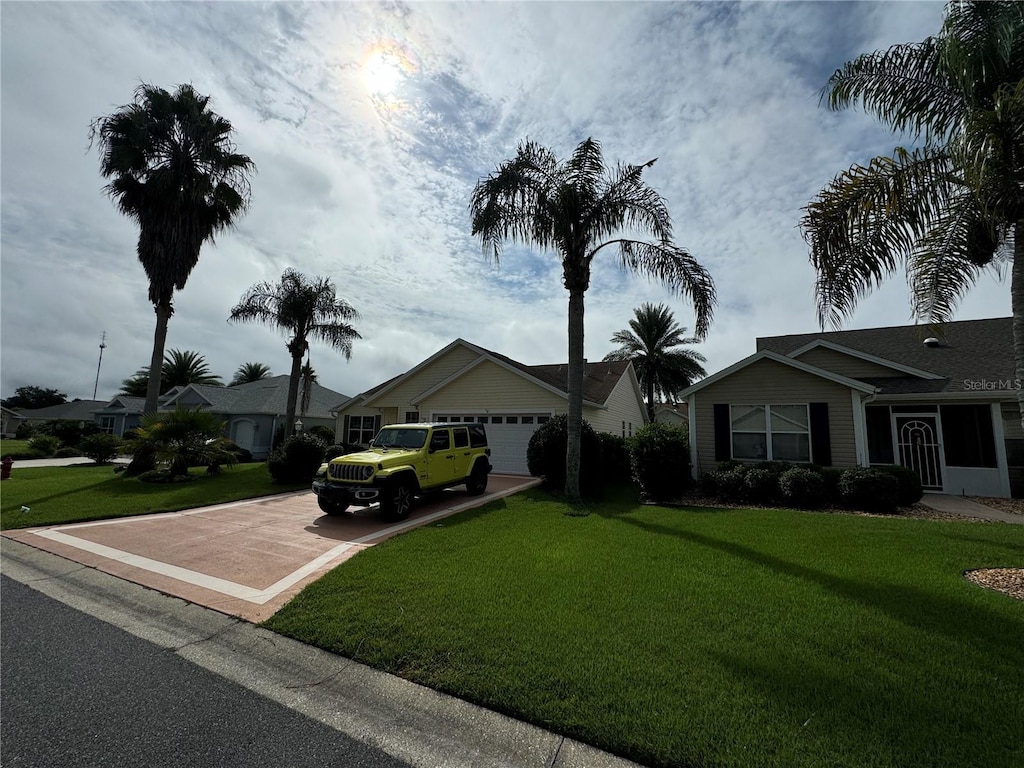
[476, 485]
[396, 501]
[331, 507]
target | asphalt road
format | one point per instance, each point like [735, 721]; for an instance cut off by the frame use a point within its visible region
[77, 691]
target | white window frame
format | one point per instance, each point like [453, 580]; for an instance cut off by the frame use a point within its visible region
[360, 431]
[108, 424]
[769, 431]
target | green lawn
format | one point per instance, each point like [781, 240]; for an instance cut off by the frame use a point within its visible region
[18, 449]
[699, 637]
[72, 494]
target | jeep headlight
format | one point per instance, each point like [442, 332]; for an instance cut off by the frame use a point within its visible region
[321, 473]
[367, 472]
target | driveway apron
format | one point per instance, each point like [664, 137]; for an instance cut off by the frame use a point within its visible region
[246, 558]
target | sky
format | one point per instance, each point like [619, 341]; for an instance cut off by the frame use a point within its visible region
[370, 124]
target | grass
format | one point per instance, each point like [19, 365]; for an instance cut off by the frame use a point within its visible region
[77, 493]
[18, 449]
[699, 637]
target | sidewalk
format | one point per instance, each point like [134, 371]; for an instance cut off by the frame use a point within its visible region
[28, 463]
[413, 723]
[956, 505]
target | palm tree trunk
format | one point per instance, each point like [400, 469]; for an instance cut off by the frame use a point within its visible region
[163, 315]
[575, 388]
[1017, 303]
[293, 393]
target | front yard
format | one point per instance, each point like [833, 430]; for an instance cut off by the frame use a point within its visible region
[699, 637]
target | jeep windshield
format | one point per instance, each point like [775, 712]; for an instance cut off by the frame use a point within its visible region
[406, 439]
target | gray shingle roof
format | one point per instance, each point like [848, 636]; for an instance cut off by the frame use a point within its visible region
[969, 351]
[267, 396]
[78, 410]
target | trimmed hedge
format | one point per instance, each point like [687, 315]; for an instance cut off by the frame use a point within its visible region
[871, 490]
[803, 488]
[297, 460]
[910, 491]
[660, 458]
[545, 456]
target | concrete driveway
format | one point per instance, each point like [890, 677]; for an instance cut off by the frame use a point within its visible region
[246, 558]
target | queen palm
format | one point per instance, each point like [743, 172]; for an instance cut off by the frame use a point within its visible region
[578, 208]
[952, 205]
[657, 347]
[303, 309]
[250, 372]
[173, 170]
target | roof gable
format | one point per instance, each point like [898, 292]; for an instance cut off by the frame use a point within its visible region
[865, 356]
[788, 361]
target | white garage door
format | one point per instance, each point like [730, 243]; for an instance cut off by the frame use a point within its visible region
[508, 436]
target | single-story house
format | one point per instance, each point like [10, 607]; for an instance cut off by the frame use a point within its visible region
[77, 410]
[252, 412]
[467, 383]
[945, 407]
[10, 421]
[673, 414]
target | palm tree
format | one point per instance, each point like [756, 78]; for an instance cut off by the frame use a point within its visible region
[179, 369]
[577, 208]
[951, 206]
[655, 343]
[303, 309]
[184, 438]
[173, 170]
[250, 372]
[307, 378]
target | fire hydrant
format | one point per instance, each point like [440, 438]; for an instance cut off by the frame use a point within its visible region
[5, 468]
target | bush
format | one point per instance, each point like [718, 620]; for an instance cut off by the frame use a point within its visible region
[545, 455]
[910, 490]
[69, 433]
[830, 478]
[163, 476]
[660, 458]
[343, 449]
[802, 487]
[615, 458]
[242, 455]
[297, 460]
[729, 484]
[66, 452]
[25, 431]
[760, 485]
[101, 448]
[322, 431]
[44, 445]
[869, 490]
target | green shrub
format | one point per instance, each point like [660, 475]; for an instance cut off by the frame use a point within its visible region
[802, 487]
[910, 489]
[322, 431]
[66, 452]
[760, 485]
[44, 445]
[869, 490]
[731, 464]
[25, 431]
[69, 433]
[615, 458]
[830, 479]
[164, 476]
[545, 455]
[182, 438]
[101, 448]
[660, 458]
[342, 449]
[729, 484]
[297, 460]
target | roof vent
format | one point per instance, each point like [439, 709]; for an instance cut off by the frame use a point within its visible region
[931, 341]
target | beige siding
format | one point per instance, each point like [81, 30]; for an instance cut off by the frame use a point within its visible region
[767, 382]
[489, 386]
[401, 396]
[339, 433]
[845, 365]
[623, 406]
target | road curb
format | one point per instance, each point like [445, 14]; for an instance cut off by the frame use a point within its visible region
[406, 720]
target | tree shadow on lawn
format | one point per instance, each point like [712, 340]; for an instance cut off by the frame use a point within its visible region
[918, 608]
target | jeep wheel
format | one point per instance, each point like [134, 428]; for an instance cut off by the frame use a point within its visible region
[331, 507]
[477, 482]
[396, 502]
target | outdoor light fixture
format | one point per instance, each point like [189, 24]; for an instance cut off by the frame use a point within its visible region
[298, 425]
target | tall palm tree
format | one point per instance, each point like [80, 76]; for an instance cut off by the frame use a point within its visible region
[656, 345]
[304, 310]
[173, 170]
[577, 208]
[307, 378]
[952, 205]
[250, 372]
[179, 369]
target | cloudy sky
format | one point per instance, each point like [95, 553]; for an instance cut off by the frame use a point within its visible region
[370, 123]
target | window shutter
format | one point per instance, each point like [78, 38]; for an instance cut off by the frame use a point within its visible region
[723, 429]
[821, 442]
[344, 429]
[376, 425]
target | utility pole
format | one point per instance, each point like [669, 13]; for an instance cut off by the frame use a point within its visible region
[103, 345]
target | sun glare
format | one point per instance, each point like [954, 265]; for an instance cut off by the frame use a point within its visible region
[382, 73]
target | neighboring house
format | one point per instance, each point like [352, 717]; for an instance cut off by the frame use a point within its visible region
[120, 415]
[673, 414]
[10, 421]
[467, 383]
[253, 412]
[946, 408]
[76, 410]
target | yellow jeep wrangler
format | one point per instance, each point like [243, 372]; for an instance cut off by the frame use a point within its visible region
[403, 461]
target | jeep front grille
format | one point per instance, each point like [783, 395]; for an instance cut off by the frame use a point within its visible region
[350, 472]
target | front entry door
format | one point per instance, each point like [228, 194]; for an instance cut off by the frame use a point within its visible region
[917, 438]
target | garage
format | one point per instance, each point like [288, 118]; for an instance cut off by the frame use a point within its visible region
[508, 436]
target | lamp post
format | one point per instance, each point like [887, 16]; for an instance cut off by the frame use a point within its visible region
[298, 426]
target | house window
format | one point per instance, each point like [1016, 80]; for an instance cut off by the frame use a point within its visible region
[967, 436]
[879, 424]
[497, 419]
[527, 419]
[511, 419]
[771, 432]
[107, 424]
[360, 430]
[411, 417]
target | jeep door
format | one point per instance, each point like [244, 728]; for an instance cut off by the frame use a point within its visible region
[463, 453]
[440, 459]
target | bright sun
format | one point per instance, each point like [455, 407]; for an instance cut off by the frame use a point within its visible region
[382, 73]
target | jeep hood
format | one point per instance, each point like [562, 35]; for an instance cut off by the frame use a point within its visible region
[376, 455]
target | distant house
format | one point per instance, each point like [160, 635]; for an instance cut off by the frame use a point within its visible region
[252, 412]
[672, 413]
[10, 421]
[77, 410]
[944, 407]
[467, 383]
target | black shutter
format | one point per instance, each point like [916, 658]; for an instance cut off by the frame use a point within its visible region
[376, 425]
[723, 430]
[821, 441]
[344, 429]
